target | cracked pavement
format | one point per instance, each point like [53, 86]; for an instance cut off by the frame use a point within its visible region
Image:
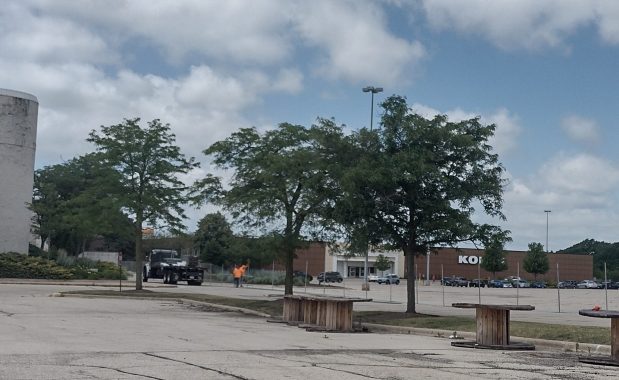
[47, 337]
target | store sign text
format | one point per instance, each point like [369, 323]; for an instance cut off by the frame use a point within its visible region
[474, 260]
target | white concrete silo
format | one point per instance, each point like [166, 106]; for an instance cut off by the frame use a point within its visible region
[18, 131]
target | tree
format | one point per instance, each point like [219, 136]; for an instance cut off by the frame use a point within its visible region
[71, 203]
[214, 238]
[426, 178]
[494, 257]
[148, 164]
[536, 260]
[283, 181]
[382, 263]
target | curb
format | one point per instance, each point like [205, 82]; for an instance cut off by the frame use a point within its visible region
[558, 345]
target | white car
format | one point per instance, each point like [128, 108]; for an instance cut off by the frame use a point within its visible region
[389, 279]
[588, 284]
[372, 278]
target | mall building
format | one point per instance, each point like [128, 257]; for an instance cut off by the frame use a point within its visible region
[464, 262]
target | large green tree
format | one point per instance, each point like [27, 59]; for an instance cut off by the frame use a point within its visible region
[71, 204]
[214, 239]
[282, 184]
[426, 179]
[536, 260]
[494, 256]
[148, 163]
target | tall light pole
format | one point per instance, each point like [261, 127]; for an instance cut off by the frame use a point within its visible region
[547, 212]
[373, 90]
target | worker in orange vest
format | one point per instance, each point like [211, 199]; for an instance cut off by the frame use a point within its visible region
[243, 269]
[237, 273]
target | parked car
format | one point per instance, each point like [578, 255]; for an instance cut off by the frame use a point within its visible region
[478, 283]
[302, 275]
[538, 284]
[448, 281]
[588, 284]
[389, 279]
[329, 277]
[610, 284]
[499, 284]
[521, 284]
[567, 284]
[372, 277]
[461, 282]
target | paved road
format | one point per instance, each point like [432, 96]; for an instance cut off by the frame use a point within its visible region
[47, 337]
[435, 299]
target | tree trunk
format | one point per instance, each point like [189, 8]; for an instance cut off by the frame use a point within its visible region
[139, 255]
[410, 276]
[289, 263]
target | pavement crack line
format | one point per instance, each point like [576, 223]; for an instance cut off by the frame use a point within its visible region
[198, 366]
[121, 371]
[6, 313]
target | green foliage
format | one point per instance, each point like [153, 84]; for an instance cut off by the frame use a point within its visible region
[15, 265]
[282, 183]
[71, 204]
[602, 253]
[382, 263]
[418, 182]
[536, 260]
[148, 164]
[494, 257]
[214, 238]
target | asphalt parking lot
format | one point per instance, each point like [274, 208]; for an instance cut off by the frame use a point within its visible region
[45, 337]
[437, 300]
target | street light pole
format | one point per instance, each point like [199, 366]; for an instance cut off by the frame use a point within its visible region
[547, 212]
[373, 90]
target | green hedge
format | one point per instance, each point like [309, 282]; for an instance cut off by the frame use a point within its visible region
[15, 265]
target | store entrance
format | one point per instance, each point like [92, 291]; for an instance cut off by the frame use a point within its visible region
[356, 272]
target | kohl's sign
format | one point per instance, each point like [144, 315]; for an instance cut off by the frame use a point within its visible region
[473, 260]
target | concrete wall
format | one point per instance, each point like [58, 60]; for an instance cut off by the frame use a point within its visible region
[18, 127]
[110, 257]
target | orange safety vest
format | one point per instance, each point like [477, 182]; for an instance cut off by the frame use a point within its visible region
[237, 272]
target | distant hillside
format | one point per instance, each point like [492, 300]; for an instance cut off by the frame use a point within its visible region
[602, 252]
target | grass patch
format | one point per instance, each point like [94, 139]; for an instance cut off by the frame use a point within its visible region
[581, 334]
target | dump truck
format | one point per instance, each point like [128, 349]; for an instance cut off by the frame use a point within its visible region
[167, 264]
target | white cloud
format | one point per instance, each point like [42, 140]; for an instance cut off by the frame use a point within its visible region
[528, 24]
[581, 129]
[582, 173]
[356, 43]
[505, 137]
[579, 190]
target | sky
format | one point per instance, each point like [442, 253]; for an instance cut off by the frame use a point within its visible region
[545, 72]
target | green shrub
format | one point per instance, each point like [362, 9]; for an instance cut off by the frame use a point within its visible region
[15, 265]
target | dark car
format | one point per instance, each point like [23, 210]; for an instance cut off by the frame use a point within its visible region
[538, 284]
[302, 275]
[461, 282]
[478, 283]
[448, 281]
[499, 284]
[568, 284]
[611, 284]
[329, 277]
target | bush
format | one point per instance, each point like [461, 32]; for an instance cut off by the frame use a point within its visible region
[15, 265]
